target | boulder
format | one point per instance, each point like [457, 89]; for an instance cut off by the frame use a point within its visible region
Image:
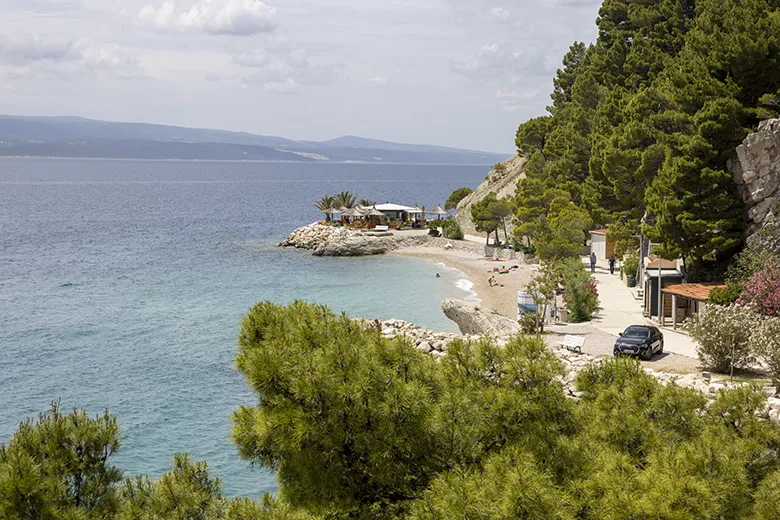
[473, 319]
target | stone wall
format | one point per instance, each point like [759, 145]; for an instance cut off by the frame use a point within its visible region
[757, 174]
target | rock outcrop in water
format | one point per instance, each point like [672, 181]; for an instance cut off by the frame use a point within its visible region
[473, 319]
[341, 241]
[757, 174]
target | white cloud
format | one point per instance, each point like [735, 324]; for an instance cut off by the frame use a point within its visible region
[515, 100]
[283, 72]
[501, 14]
[233, 17]
[375, 82]
[32, 55]
[514, 74]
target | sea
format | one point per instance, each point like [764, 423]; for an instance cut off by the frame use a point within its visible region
[123, 284]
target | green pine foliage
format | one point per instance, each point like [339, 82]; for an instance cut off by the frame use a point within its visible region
[357, 425]
[454, 199]
[647, 118]
[360, 426]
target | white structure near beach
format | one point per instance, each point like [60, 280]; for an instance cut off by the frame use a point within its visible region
[393, 211]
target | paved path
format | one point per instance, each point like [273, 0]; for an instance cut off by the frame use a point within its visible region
[619, 309]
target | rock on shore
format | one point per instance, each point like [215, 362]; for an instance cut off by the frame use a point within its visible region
[473, 319]
[341, 241]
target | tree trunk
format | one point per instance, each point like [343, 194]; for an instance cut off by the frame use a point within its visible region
[487, 240]
[497, 239]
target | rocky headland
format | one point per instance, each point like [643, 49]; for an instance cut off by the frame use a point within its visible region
[502, 182]
[325, 240]
[341, 241]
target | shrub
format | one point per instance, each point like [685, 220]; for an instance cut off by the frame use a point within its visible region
[581, 297]
[765, 343]
[723, 334]
[727, 296]
[528, 323]
[452, 229]
[631, 264]
[762, 289]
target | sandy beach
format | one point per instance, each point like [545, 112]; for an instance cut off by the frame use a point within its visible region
[502, 298]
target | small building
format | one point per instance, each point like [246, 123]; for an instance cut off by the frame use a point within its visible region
[668, 272]
[686, 300]
[599, 244]
[393, 211]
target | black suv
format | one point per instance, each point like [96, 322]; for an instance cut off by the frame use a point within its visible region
[641, 340]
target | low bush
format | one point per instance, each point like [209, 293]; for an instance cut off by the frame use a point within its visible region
[765, 344]
[762, 289]
[452, 229]
[727, 296]
[528, 323]
[631, 264]
[581, 297]
[723, 334]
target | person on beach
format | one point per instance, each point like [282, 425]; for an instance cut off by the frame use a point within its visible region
[438, 275]
[593, 262]
[492, 281]
[612, 261]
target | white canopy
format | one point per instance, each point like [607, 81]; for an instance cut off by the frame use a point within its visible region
[392, 207]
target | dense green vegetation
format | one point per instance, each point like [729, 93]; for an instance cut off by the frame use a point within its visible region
[360, 426]
[455, 197]
[645, 120]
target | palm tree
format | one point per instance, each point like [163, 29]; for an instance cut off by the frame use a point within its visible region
[345, 199]
[367, 203]
[326, 202]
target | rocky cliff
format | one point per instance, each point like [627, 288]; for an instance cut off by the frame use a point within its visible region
[502, 183]
[757, 174]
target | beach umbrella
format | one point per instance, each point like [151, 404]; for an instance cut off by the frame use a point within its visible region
[352, 212]
[438, 210]
[373, 212]
[414, 210]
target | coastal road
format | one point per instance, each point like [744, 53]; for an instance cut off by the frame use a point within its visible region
[619, 309]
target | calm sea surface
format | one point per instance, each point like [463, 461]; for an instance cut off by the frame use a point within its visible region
[122, 285]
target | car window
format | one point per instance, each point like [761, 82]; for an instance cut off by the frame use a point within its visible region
[637, 332]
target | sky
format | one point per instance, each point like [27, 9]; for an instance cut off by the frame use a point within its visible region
[461, 73]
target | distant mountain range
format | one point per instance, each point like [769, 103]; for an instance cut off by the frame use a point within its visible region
[76, 137]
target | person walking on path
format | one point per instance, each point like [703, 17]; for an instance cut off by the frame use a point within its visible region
[612, 260]
[593, 262]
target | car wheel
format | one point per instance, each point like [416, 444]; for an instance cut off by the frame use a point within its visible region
[647, 355]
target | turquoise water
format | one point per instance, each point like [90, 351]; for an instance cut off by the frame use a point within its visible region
[122, 285]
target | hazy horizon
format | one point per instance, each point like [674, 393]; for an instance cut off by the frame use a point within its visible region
[441, 72]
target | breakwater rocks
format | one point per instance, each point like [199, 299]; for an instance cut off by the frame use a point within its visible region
[340, 241]
[436, 344]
